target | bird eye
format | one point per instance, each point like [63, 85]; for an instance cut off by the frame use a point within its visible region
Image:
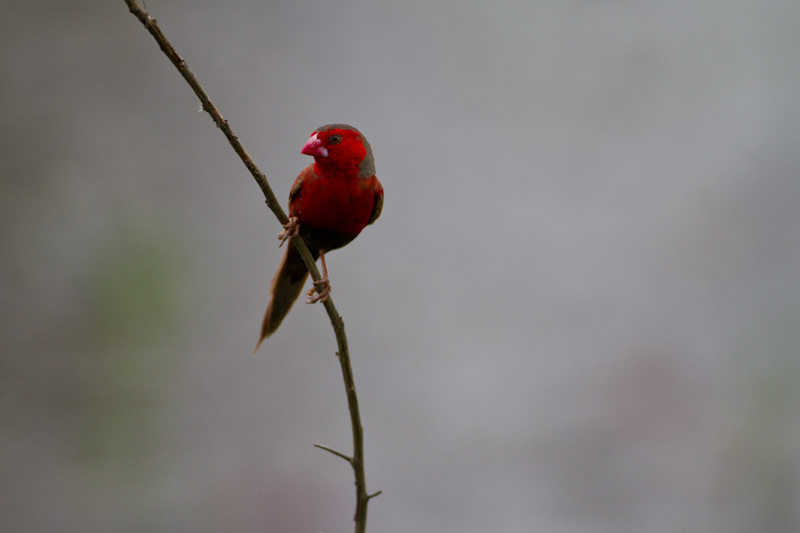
[335, 139]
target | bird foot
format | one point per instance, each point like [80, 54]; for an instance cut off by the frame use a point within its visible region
[313, 296]
[292, 229]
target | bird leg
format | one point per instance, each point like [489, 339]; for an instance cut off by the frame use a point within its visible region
[313, 296]
[292, 229]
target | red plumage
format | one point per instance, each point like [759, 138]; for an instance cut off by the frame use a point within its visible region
[331, 201]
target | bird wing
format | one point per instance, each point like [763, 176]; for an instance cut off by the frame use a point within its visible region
[306, 174]
[377, 207]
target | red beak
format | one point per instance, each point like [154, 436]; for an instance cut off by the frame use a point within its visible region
[314, 147]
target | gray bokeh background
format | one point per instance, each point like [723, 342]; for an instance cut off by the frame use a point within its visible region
[579, 311]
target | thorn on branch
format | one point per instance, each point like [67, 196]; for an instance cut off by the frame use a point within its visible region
[370, 496]
[334, 452]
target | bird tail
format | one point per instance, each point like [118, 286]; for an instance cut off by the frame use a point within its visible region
[285, 288]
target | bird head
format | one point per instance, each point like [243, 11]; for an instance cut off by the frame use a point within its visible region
[342, 147]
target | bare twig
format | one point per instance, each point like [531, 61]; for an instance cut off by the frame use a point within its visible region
[334, 452]
[357, 460]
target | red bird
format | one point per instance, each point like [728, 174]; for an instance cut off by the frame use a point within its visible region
[331, 201]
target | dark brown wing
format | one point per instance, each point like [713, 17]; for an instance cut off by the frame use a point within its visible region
[298, 183]
[377, 207]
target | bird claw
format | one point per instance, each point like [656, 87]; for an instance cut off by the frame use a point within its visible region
[312, 296]
[292, 229]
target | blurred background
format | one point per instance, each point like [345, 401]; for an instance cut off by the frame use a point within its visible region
[579, 311]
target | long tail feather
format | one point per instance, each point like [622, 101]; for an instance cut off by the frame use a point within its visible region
[286, 287]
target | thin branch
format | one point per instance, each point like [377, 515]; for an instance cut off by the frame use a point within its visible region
[362, 498]
[334, 452]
